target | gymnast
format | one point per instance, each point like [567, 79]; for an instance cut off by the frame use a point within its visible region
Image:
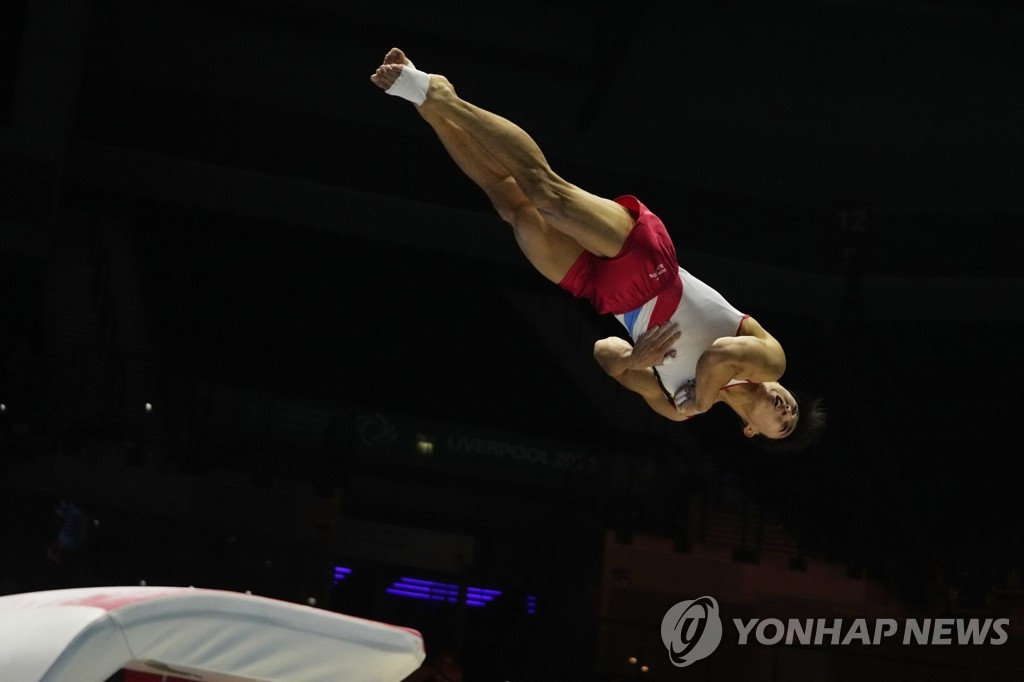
[690, 348]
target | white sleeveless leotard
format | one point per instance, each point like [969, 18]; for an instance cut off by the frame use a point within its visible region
[703, 315]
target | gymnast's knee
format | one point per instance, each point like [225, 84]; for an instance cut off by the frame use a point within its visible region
[507, 199]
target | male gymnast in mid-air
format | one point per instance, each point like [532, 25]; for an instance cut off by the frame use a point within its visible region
[691, 348]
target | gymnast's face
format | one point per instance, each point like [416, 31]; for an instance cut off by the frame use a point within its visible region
[773, 413]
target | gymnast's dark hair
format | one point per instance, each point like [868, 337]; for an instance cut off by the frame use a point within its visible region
[808, 430]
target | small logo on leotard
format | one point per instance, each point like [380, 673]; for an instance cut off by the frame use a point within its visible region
[686, 391]
[659, 272]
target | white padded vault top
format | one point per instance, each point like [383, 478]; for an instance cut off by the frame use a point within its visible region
[88, 634]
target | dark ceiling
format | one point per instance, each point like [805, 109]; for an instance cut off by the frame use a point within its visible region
[911, 106]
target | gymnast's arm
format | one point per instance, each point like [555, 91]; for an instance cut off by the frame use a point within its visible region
[632, 366]
[755, 355]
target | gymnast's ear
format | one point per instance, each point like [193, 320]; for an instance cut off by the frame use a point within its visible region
[748, 430]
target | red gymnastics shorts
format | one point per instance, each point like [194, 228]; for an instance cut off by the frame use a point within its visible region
[644, 267]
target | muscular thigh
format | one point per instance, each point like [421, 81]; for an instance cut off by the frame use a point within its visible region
[550, 251]
[600, 225]
[597, 224]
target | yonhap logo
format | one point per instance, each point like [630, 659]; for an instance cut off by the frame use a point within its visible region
[691, 630]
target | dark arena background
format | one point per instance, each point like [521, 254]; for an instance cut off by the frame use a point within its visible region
[259, 333]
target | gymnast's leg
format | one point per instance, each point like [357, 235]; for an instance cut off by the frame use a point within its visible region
[550, 251]
[598, 225]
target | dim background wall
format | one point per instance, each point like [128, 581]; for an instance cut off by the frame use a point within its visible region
[209, 208]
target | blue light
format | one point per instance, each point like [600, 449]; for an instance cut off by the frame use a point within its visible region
[340, 573]
[418, 588]
[419, 595]
[432, 589]
[479, 596]
[429, 583]
[425, 589]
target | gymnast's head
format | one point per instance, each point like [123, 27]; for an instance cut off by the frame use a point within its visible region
[781, 420]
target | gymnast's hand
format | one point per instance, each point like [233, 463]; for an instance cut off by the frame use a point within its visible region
[654, 346]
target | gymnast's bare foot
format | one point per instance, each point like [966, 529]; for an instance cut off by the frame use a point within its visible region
[429, 88]
[396, 56]
[390, 69]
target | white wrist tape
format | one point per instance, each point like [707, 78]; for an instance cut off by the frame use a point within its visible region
[411, 85]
